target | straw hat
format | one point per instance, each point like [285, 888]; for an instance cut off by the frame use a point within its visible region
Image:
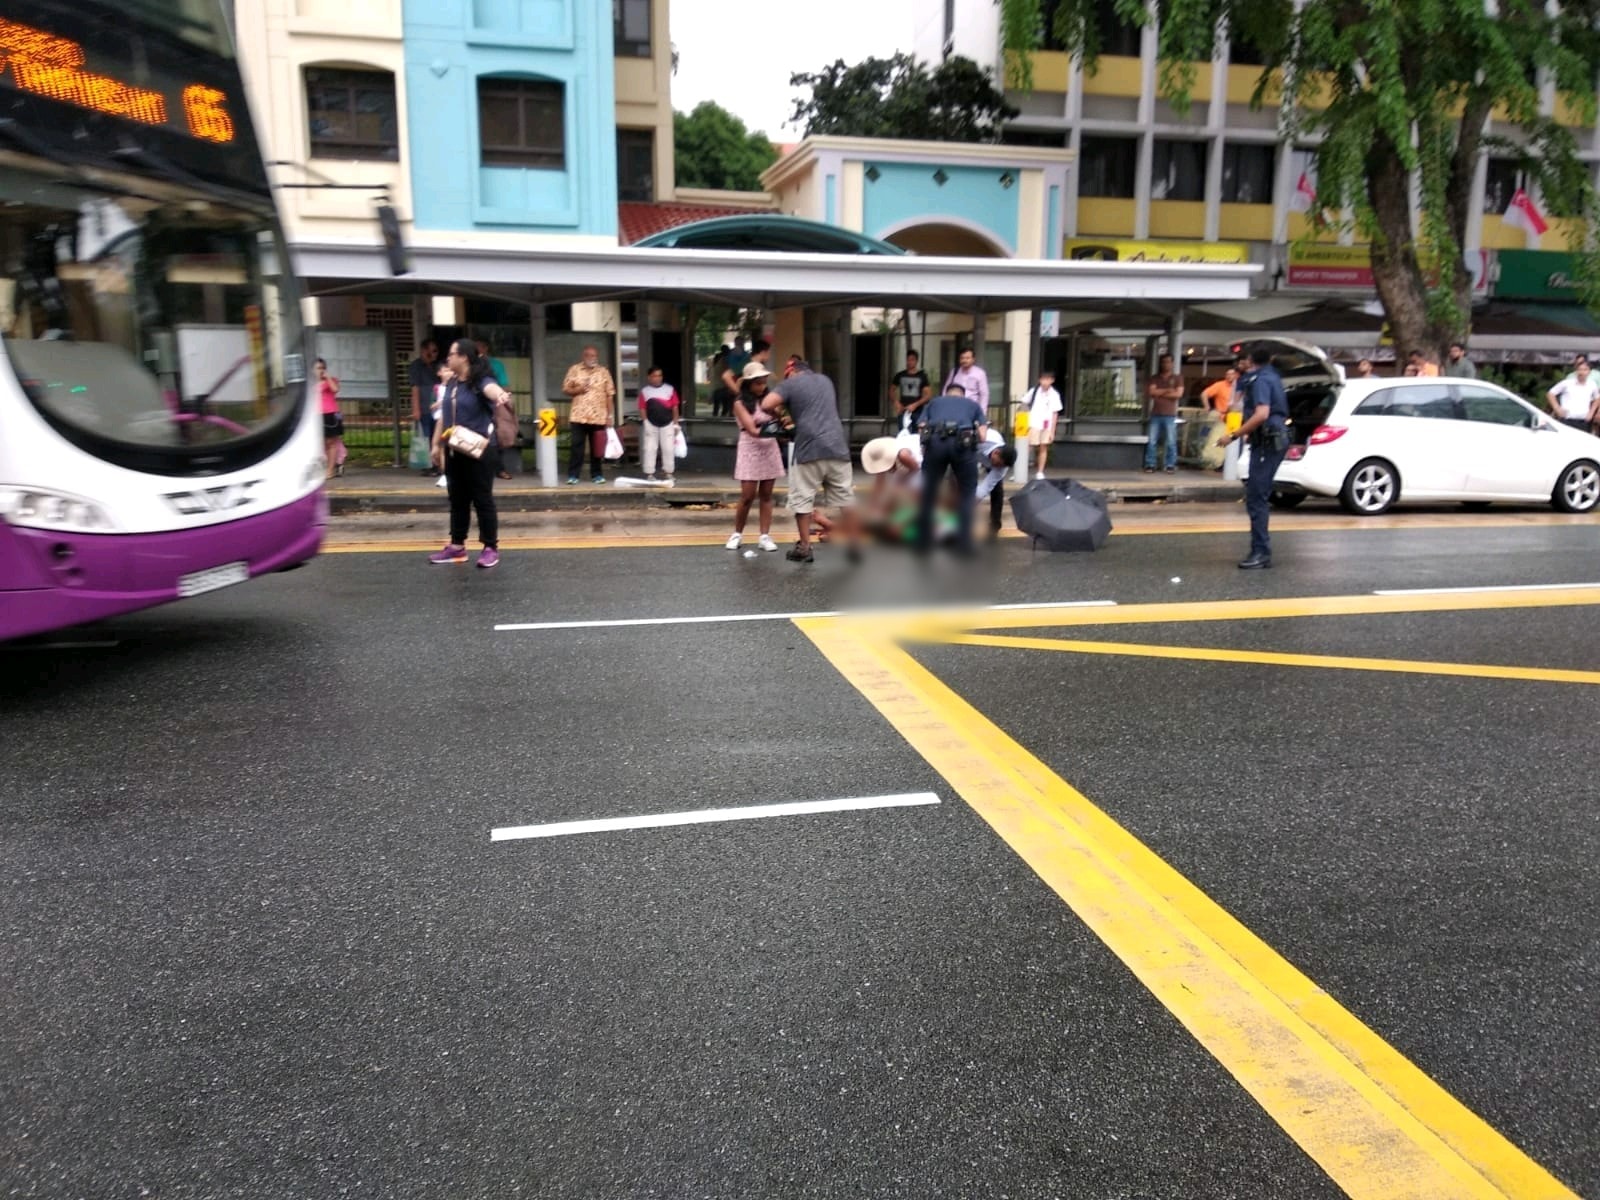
[878, 455]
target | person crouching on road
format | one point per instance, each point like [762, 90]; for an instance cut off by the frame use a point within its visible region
[1266, 424]
[998, 456]
[758, 461]
[896, 466]
[470, 400]
[952, 426]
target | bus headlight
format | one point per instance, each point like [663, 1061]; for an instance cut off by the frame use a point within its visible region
[316, 472]
[38, 508]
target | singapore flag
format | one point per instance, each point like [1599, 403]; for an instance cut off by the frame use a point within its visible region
[1305, 196]
[1522, 213]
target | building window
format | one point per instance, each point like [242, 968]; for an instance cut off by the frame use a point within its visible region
[1107, 166]
[1243, 53]
[636, 164]
[1051, 139]
[1178, 171]
[630, 23]
[1247, 171]
[1116, 35]
[351, 114]
[521, 123]
[1500, 185]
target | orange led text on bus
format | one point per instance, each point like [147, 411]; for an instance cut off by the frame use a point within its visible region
[52, 66]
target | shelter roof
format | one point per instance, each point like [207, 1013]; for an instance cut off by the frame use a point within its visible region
[773, 279]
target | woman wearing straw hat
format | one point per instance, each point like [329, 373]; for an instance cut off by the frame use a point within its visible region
[758, 462]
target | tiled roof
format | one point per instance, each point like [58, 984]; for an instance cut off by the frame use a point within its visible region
[638, 220]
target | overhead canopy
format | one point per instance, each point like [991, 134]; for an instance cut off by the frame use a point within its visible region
[767, 231]
[773, 280]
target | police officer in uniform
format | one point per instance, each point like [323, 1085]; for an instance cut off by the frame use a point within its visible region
[951, 426]
[1266, 424]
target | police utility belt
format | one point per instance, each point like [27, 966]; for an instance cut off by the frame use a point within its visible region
[1269, 439]
[965, 436]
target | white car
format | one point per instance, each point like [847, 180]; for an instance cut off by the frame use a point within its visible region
[1375, 442]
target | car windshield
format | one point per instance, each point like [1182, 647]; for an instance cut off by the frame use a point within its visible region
[145, 319]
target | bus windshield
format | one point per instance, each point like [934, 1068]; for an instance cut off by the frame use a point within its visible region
[145, 308]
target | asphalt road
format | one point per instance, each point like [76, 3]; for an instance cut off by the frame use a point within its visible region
[255, 939]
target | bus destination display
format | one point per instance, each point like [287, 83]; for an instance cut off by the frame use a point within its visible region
[47, 64]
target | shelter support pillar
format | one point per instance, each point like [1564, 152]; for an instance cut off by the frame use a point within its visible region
[788, 336]
[538, 390]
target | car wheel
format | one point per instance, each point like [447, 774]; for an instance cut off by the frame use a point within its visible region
[1287, 499]
[1578, 489]
[1371, 488]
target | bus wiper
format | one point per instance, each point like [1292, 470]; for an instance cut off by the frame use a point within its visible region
[77, 175]
[171, 172]
[22, 136]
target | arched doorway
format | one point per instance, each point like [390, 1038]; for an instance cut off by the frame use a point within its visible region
[946, 240]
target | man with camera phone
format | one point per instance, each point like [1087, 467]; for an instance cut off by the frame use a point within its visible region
[1266, 424]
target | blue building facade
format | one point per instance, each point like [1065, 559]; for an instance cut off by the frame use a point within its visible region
[511, 116]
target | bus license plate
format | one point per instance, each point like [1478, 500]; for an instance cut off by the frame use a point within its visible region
[213, 578]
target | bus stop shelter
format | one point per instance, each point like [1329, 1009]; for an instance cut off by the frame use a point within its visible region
[1150, 296]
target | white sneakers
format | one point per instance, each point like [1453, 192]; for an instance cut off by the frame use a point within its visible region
[1040, 475]
[768, 544]
[733, 542]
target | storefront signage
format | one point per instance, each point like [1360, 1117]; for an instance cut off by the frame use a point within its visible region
[1113, 250]
[1330, 266]
[1537, 275]
[1351, 267]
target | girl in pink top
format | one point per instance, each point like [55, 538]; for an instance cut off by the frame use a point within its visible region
[333, 447]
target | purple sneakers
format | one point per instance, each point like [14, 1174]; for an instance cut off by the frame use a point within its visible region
[450, 554]
[489, 558]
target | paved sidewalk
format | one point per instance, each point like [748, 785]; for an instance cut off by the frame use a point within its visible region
[388, 489]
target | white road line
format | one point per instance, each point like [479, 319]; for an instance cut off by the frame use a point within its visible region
[793, 616]
[1514, 587]
[704, 816]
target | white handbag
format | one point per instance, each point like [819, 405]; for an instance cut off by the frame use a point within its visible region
[461, 439]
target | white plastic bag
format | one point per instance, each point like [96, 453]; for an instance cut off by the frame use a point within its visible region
[680, 444]
[613, 444]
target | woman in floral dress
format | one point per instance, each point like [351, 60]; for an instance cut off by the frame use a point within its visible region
[758, 461]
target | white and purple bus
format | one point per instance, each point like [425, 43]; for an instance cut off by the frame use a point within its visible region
[156, 439]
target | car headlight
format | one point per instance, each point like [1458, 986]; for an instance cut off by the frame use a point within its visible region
[40, 508]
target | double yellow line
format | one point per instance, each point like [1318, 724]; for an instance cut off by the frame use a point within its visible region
[1377, 1124]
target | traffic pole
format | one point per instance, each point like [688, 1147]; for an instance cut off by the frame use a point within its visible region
[1019, 430]
[547, 447]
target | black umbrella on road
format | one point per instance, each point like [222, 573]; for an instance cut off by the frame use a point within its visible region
[1063, 514]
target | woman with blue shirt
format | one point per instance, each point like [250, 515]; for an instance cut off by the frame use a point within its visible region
[470, 398]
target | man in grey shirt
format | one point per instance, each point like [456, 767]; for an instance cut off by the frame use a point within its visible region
[1457, 363]
[821, 462]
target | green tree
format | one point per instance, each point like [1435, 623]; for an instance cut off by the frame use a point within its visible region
[1395, 94]
[712, 149]
[900, 98]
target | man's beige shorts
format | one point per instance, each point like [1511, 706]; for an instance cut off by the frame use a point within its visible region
[828, 478]
[1042, 435]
